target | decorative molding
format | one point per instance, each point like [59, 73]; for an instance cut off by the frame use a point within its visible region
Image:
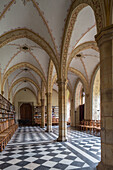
[6, 9]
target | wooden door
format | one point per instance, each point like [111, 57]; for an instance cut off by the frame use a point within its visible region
[26, 113]
[81, 109]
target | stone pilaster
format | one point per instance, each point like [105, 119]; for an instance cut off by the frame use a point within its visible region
[62, 85]
[49, 112]
[105, 43]
[87, 107]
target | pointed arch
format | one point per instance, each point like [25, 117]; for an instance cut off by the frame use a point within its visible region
[81, 47]
[21, 90]
[20, 65]
[26, 33]
[22, 79]
[76, 7]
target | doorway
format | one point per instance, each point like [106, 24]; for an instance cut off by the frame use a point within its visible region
[26, 114]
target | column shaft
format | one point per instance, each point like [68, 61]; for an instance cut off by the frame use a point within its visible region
[87, 107]
[105, 43]
[62, 111]
[49, 112]
[42, 105]
[42, 113]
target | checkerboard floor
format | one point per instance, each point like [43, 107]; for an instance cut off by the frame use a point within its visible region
[82, 151]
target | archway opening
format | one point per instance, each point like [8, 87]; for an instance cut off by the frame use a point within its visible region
[79, 103]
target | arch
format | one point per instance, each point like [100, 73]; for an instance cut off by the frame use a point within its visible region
[26, 33]
[22, 79]
[49, 79]
[20, 65]
[20, 90]
[81, 77]
[76, 7]
[81, 47]
[19, 84]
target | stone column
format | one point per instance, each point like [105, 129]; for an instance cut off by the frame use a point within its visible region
[38, 99]
[72, 112]
[105, 43]
[62, 85]
[87, 107]
[42, 113]
[42, 106]
[49, 112]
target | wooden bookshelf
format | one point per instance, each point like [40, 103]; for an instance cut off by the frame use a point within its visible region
[7, 111]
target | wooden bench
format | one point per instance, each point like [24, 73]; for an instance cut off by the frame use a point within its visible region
[90, 125]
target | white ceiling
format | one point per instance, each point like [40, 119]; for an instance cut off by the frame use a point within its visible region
[46, 18]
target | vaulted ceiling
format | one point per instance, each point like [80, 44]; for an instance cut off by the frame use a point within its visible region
[46, 19]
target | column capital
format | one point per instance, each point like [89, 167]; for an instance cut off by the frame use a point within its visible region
[48, 94]
[106, 34]
[60, 81]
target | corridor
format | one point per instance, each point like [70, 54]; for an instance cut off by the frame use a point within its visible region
[33, 148]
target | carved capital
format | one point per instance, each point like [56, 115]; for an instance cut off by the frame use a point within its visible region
[60, 81]
[48, 94]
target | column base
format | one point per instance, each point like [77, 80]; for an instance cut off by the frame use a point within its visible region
[102, 166]
[49, 131]
[61, 139]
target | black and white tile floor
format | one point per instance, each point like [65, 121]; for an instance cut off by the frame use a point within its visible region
[33, 148]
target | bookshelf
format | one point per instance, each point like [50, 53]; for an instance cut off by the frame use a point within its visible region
[7, 112]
